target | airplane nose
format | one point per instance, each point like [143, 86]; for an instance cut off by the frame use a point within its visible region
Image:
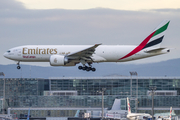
[5, 55]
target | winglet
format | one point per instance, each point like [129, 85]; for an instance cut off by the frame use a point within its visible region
[98, 44]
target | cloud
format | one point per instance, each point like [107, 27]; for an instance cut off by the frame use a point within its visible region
[167, 10]
[20, 26]
[10, 5]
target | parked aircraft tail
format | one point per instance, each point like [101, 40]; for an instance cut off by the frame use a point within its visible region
[128, 105]
[28, 114]
[170, 113]
[77, 113]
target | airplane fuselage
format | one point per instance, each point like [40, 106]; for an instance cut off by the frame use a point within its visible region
[103, 53]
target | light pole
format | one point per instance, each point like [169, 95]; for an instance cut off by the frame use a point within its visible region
[2, 74]
[103, 89]
[153, 89]
[135, 74]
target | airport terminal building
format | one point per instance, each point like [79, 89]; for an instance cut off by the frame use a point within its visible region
[62, 97]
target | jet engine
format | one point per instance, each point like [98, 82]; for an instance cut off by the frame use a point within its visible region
[58, 60]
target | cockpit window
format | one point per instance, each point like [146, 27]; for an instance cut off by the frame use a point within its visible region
[8, 51]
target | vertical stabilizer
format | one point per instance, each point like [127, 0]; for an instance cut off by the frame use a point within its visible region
[152, 41]
[170, 113]
[116, 104]
[28, 114]
[77, 113]
[156, 37]
[129, 107]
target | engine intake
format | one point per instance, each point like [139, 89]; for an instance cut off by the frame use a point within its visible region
[58, 60]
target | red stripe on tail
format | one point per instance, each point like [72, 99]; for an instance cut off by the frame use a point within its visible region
[140, 47]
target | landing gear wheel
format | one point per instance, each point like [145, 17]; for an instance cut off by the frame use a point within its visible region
[88, 69]
[93, 69]
[18, 67]
[84, 68]
[80, 67]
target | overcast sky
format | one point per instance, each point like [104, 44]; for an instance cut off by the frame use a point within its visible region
[36, 22]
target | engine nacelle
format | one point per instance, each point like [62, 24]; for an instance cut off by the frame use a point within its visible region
[58, 60]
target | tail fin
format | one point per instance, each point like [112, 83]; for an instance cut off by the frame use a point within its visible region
[155, 38]
[170, 113]
[77, 113]
[28, 114]
[129, 107]
[116, 104]
[153, 41]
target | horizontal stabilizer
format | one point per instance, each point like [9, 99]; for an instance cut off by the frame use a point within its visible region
[155, 50]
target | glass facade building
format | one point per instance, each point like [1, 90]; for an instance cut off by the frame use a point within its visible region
[82, 93]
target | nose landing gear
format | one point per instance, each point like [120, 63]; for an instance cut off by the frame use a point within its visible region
[18, 67]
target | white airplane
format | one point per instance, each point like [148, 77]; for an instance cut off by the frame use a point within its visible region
[70, 55]
[134, 116]
[165, 116]
[116, 112]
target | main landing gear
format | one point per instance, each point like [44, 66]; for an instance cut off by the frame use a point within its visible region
[86, 68]
[18, 67]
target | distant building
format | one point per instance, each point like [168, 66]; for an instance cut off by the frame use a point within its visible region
[62, 97]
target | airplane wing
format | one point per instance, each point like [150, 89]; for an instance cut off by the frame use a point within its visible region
[83, 54]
